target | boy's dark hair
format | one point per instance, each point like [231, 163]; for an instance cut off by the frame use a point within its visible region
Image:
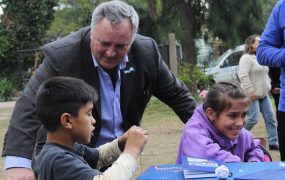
[219, 96]
[60, 95]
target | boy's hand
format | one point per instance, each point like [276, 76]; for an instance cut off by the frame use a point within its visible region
[136, 139]
[123, 139]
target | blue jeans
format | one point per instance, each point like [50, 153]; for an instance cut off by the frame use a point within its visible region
[265, 107]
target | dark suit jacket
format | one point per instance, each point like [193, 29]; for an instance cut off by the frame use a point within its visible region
[71, 56]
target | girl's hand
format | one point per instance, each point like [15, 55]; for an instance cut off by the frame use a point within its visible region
[253, 96]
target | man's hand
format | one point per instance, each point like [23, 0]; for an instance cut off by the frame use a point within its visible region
[19, 174]
[136, 140]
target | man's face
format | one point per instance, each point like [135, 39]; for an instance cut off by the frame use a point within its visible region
[110, 43]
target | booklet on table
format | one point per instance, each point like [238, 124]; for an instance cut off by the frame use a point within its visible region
[199, 167]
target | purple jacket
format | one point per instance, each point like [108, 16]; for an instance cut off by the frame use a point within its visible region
[200, 139]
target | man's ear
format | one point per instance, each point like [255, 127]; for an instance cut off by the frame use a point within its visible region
[66, 120]
[211, 114]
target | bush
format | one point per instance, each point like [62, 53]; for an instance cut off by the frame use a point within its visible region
[6, 90]
[194, 77]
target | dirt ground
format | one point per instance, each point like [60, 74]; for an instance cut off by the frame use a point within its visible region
[164, 129]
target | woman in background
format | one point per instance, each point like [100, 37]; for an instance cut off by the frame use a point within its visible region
[256, 82]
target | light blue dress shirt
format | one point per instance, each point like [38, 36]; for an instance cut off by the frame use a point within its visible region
[111, 116]
[16, 161]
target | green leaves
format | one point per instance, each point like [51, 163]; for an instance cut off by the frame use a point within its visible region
[6, 90]
[233, 25]
[69, 17]
[192, 75]
[22, 26]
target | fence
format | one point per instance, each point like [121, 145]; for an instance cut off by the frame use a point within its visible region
[28, 60]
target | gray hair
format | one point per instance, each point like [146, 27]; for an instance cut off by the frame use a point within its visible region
[115, 11]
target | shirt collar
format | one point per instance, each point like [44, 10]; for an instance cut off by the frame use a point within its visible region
[122, 65]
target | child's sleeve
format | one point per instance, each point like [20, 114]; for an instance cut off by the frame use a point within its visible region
[108, 153]
[255, 153]
[123, 168]
[123, 165]
[196, 142]
[91, 156]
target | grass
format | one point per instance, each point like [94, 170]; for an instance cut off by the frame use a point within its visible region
[164, 129]
[5, 114]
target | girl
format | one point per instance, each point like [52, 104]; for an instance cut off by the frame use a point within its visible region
[215, 131]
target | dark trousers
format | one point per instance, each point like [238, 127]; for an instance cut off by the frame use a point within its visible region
[281, 133]
[276, 99]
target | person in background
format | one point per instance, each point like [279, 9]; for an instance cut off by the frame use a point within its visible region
[216, 129]
[125, 68]
[256, 82]
[271, 52]
[64, 106]
[274, 74]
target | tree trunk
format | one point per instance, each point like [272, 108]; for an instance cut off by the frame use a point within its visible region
[187, 32]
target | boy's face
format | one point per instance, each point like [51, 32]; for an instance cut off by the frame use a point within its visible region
[232, 120]
[82, 125]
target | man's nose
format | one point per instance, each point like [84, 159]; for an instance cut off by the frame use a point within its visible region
[111, 51]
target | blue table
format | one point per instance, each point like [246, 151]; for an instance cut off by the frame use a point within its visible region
[258, 170]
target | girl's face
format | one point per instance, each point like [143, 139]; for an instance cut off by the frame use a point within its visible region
[255, 44]
[230, 121]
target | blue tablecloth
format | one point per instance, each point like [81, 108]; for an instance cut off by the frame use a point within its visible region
[250, 170]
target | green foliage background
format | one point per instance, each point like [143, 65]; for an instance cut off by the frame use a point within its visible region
[22, 26]
[29, 24]
[233, 21]
[194, 76]
[70, 16]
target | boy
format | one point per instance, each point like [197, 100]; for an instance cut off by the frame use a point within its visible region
[64, 106]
